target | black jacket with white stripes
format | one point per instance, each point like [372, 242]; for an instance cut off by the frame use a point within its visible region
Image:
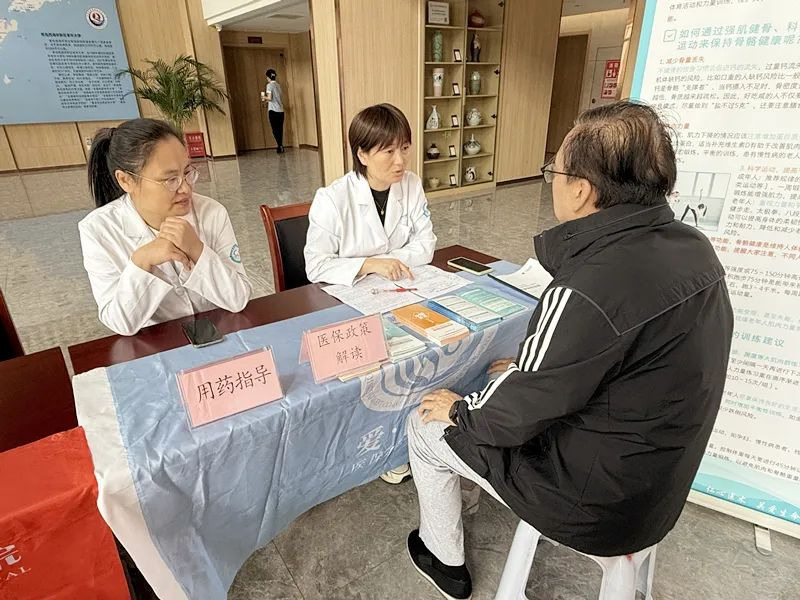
[595, 434]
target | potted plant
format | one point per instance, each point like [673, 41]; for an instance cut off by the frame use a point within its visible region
[178, 89]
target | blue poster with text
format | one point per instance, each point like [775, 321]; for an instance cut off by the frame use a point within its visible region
[59, 60]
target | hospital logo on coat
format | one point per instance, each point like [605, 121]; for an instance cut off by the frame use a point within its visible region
[96, 18]
[235, 257]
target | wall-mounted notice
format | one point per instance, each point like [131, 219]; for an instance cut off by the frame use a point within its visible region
[728, 74]
[58, 60]
[610, 77]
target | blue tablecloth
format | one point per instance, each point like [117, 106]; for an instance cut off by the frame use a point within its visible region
[213, 495]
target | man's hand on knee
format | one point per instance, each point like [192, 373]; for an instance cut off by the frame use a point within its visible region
[436, 406]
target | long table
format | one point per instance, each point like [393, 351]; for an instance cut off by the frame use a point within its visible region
[190, 505]
[259, 311]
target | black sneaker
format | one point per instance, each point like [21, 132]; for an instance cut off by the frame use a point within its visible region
[453, 583]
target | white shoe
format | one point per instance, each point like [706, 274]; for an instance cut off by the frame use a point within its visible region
[398, 475]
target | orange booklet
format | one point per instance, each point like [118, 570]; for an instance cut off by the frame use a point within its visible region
[430, 324]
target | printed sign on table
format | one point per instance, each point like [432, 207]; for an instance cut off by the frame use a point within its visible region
[230, 386]
[341, 348]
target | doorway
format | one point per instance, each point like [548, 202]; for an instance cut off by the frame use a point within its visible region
[245, 72]
[567, 84]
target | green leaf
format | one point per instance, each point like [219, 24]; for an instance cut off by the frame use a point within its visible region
[178, 89]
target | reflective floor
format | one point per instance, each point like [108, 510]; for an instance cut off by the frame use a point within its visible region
[354, 546]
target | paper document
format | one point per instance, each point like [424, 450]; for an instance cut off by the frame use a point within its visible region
[375, 294]
[372, 295]
[431, 281]
[530, 279]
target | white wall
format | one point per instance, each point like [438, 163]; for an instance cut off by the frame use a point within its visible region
[606, 30]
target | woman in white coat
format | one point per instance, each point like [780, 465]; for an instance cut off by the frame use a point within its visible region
[154, 250]
[375, 219]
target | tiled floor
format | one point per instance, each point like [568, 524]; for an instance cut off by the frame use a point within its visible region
[354, 546]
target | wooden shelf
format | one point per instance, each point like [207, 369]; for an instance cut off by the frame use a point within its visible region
[458, 71]
[477, 181]
[441, 188]
[439, 160]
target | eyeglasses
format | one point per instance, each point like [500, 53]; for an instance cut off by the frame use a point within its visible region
[173, 184]
[548, 173]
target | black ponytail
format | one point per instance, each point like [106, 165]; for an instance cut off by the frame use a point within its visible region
[123, 148]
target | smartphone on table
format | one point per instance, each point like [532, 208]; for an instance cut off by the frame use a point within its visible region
[201, 332]
[470, 266]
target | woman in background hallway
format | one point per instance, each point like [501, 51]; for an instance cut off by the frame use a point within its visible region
[274, 100]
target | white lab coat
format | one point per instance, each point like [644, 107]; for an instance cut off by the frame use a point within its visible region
[344, 228]
[129, 298]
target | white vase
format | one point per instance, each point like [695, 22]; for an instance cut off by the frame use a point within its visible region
[474, 117]
[472, 147]
[434, 120]
[438, 81]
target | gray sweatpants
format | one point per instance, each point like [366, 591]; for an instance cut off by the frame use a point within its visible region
[436, 471]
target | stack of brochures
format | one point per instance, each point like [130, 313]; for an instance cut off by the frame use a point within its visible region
[359, 372]
[476, 308]
[430, 324]
[399, 342]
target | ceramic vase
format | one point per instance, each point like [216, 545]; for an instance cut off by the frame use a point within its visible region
[475, 83]
[473, 117]
[475, 48]
[434, 120]
[437, 46]
[438, 81]
[472, 146]
[476, 19]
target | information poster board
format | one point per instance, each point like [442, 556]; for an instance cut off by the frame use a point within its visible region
[58, 61]
[727, 74]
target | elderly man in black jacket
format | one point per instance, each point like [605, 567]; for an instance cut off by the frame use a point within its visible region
[594, 433]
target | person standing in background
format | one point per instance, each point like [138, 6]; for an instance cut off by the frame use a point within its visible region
[274, 99]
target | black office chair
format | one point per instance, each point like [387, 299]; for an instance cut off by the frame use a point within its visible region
[286, 228]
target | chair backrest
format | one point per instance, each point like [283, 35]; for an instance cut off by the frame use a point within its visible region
[10, 346]
[286, 231]
[35, 399]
